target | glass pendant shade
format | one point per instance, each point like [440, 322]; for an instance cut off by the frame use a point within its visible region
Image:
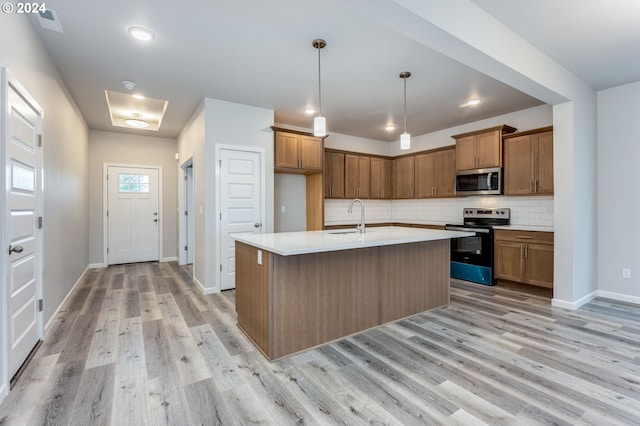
[405, 140]
[320, 126]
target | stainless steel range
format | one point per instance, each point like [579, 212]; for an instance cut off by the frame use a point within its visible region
[472, 257]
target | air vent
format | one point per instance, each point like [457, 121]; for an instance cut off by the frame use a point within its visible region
[49, 20]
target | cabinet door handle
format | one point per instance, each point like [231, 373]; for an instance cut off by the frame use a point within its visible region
[526, 251]
[535, 186]
[523, 237]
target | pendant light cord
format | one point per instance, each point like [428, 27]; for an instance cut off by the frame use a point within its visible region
[319, 84]
[405, 105]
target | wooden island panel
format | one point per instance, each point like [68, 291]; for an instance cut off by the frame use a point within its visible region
[293, 303]
[419, 267]
[322, 297]
[252, 298]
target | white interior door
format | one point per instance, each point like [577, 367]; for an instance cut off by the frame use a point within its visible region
[133, 214]
[240, 205]
[23, 192]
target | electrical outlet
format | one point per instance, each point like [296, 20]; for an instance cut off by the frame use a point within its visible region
[626, 273]
[259, 257]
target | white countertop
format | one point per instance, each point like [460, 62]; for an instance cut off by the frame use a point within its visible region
[535, 228]
[293, 243]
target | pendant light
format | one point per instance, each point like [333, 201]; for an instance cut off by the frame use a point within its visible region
[405, 138]
[319, 122]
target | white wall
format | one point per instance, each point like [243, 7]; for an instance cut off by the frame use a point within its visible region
[618, 191]
[215, 123]
[290, 192]
[138, 150]
[65, 152]
[527, 119]
[191, 144]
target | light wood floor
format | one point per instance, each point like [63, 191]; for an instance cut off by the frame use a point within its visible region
[138, 344]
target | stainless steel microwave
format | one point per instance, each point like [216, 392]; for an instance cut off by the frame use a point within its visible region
[479, 182]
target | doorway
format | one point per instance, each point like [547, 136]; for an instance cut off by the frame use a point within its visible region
[21, 198]
[186, 208]
[133, 215]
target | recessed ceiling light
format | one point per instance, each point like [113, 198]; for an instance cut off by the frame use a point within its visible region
[136, 122]
[390, 128]
[309, 110]
[471, 102]
[141, 33]
[129, 85]
[138, 96]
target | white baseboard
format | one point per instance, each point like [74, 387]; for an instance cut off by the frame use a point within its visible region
[203, 289]
[49, 323]
[97, 265]
[619, 297]
[589, 297]
[565, 304]
[169, 259]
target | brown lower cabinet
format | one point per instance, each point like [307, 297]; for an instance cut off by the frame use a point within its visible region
[524, 256]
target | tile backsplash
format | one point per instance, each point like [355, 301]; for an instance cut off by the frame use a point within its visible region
[535, 211]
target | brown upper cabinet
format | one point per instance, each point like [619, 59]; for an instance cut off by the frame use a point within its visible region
[333, 174]
[528, 162]
[297, 153]
[480, 149]
[357, 171]
[380, 178]
[403, 177]
[435, 174]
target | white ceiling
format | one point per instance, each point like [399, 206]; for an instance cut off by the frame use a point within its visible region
[259, 53]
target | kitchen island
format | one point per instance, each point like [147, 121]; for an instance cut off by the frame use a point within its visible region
[298, 290]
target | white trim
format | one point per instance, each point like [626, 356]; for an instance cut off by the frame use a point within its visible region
[203, 289]
[55, 313]
[169, 259]
[182, 207]
[565, 304]
[218, 202]
[105, 203]
[97, 265]
[618, 297]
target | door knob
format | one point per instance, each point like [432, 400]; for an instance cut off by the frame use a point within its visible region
[16, 249]
[257, 225]
[155, 220]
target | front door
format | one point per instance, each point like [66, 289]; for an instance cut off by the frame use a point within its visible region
[241, 205]
[133, 214]
[23, 191]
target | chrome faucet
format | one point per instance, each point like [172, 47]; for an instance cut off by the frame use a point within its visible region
[360, 226]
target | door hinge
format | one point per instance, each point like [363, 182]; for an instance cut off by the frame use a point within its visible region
[40, 305]
[40, 140]
[39, 222]
[221, 267]
[185, 248]
[186, 213]
[107, 213]
[186, 177]
[220, 215]
[107, 250]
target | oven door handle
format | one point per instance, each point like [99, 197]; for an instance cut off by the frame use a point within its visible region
[476, 230]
